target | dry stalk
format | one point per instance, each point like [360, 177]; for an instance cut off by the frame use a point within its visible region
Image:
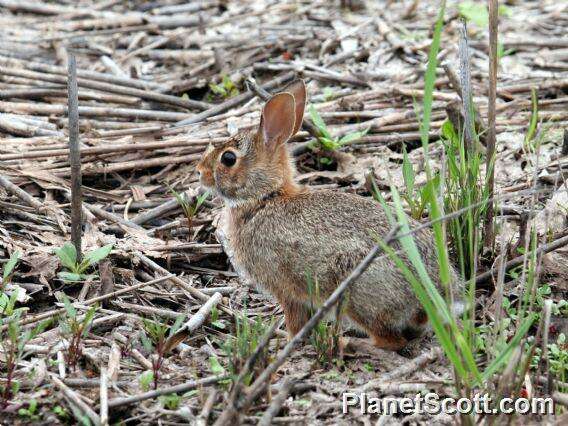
[75, 157]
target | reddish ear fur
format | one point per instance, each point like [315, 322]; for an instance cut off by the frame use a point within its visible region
[277, 121]
[298, 90]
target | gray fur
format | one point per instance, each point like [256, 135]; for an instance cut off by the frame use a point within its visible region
[326, 234]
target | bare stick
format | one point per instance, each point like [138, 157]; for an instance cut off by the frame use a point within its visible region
[72, 396]
[20, 193]
[560, 398]
[411, 366]
[545, 248]
[207, 408]
[103, 410]
[489, 237]
[74, 156]
[184, 387]
[253, 86]
[111, 88]
[61, 365]
[277, 402]
[480, 127]
[201, 315]
[87, 302]
[195, 292]
[234, 101]
[158, 211]
[101, 213]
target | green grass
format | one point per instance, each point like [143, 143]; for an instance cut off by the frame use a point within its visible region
[9, 268]
[240, 346]
[325, 141]
[477, 12]
[465, 188]
[159, 339]
[14, 337]
[416, 198]
[479, 353]
[326, 334]
[74, 328]
[13, 342]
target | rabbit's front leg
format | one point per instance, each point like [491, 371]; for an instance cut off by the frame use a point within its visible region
[296, 314]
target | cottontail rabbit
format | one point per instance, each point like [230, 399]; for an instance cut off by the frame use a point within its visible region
[281, 233]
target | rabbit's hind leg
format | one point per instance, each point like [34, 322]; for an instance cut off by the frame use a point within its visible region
[397, 338]
[296, 315]
[389, 341]
[383, 337]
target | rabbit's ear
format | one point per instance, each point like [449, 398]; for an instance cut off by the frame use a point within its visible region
[277, 121]
[298, 90]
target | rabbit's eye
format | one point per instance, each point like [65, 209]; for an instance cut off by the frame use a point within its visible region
[228, 158]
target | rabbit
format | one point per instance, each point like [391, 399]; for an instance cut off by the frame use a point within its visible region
[285, 236]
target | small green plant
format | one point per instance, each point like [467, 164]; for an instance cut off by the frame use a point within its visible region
[558, 356]
[215, 366]
[328, 94]
[502, 52]
[171, 401]
[238, 348]
[7, 272]
[9, 268]
[416, 198]
[73, 329]
[226, 89]
[332, 375]
[159, 339]
[13, 341]
[477, 13]
[325, 335]
[215, 320]
[558, 359]
[189, 209]
[76, 270]
[145, 380]
[60, 412]
[325, 141]
[29, 413]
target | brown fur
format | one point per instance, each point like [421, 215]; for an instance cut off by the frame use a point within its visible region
[280, 232]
